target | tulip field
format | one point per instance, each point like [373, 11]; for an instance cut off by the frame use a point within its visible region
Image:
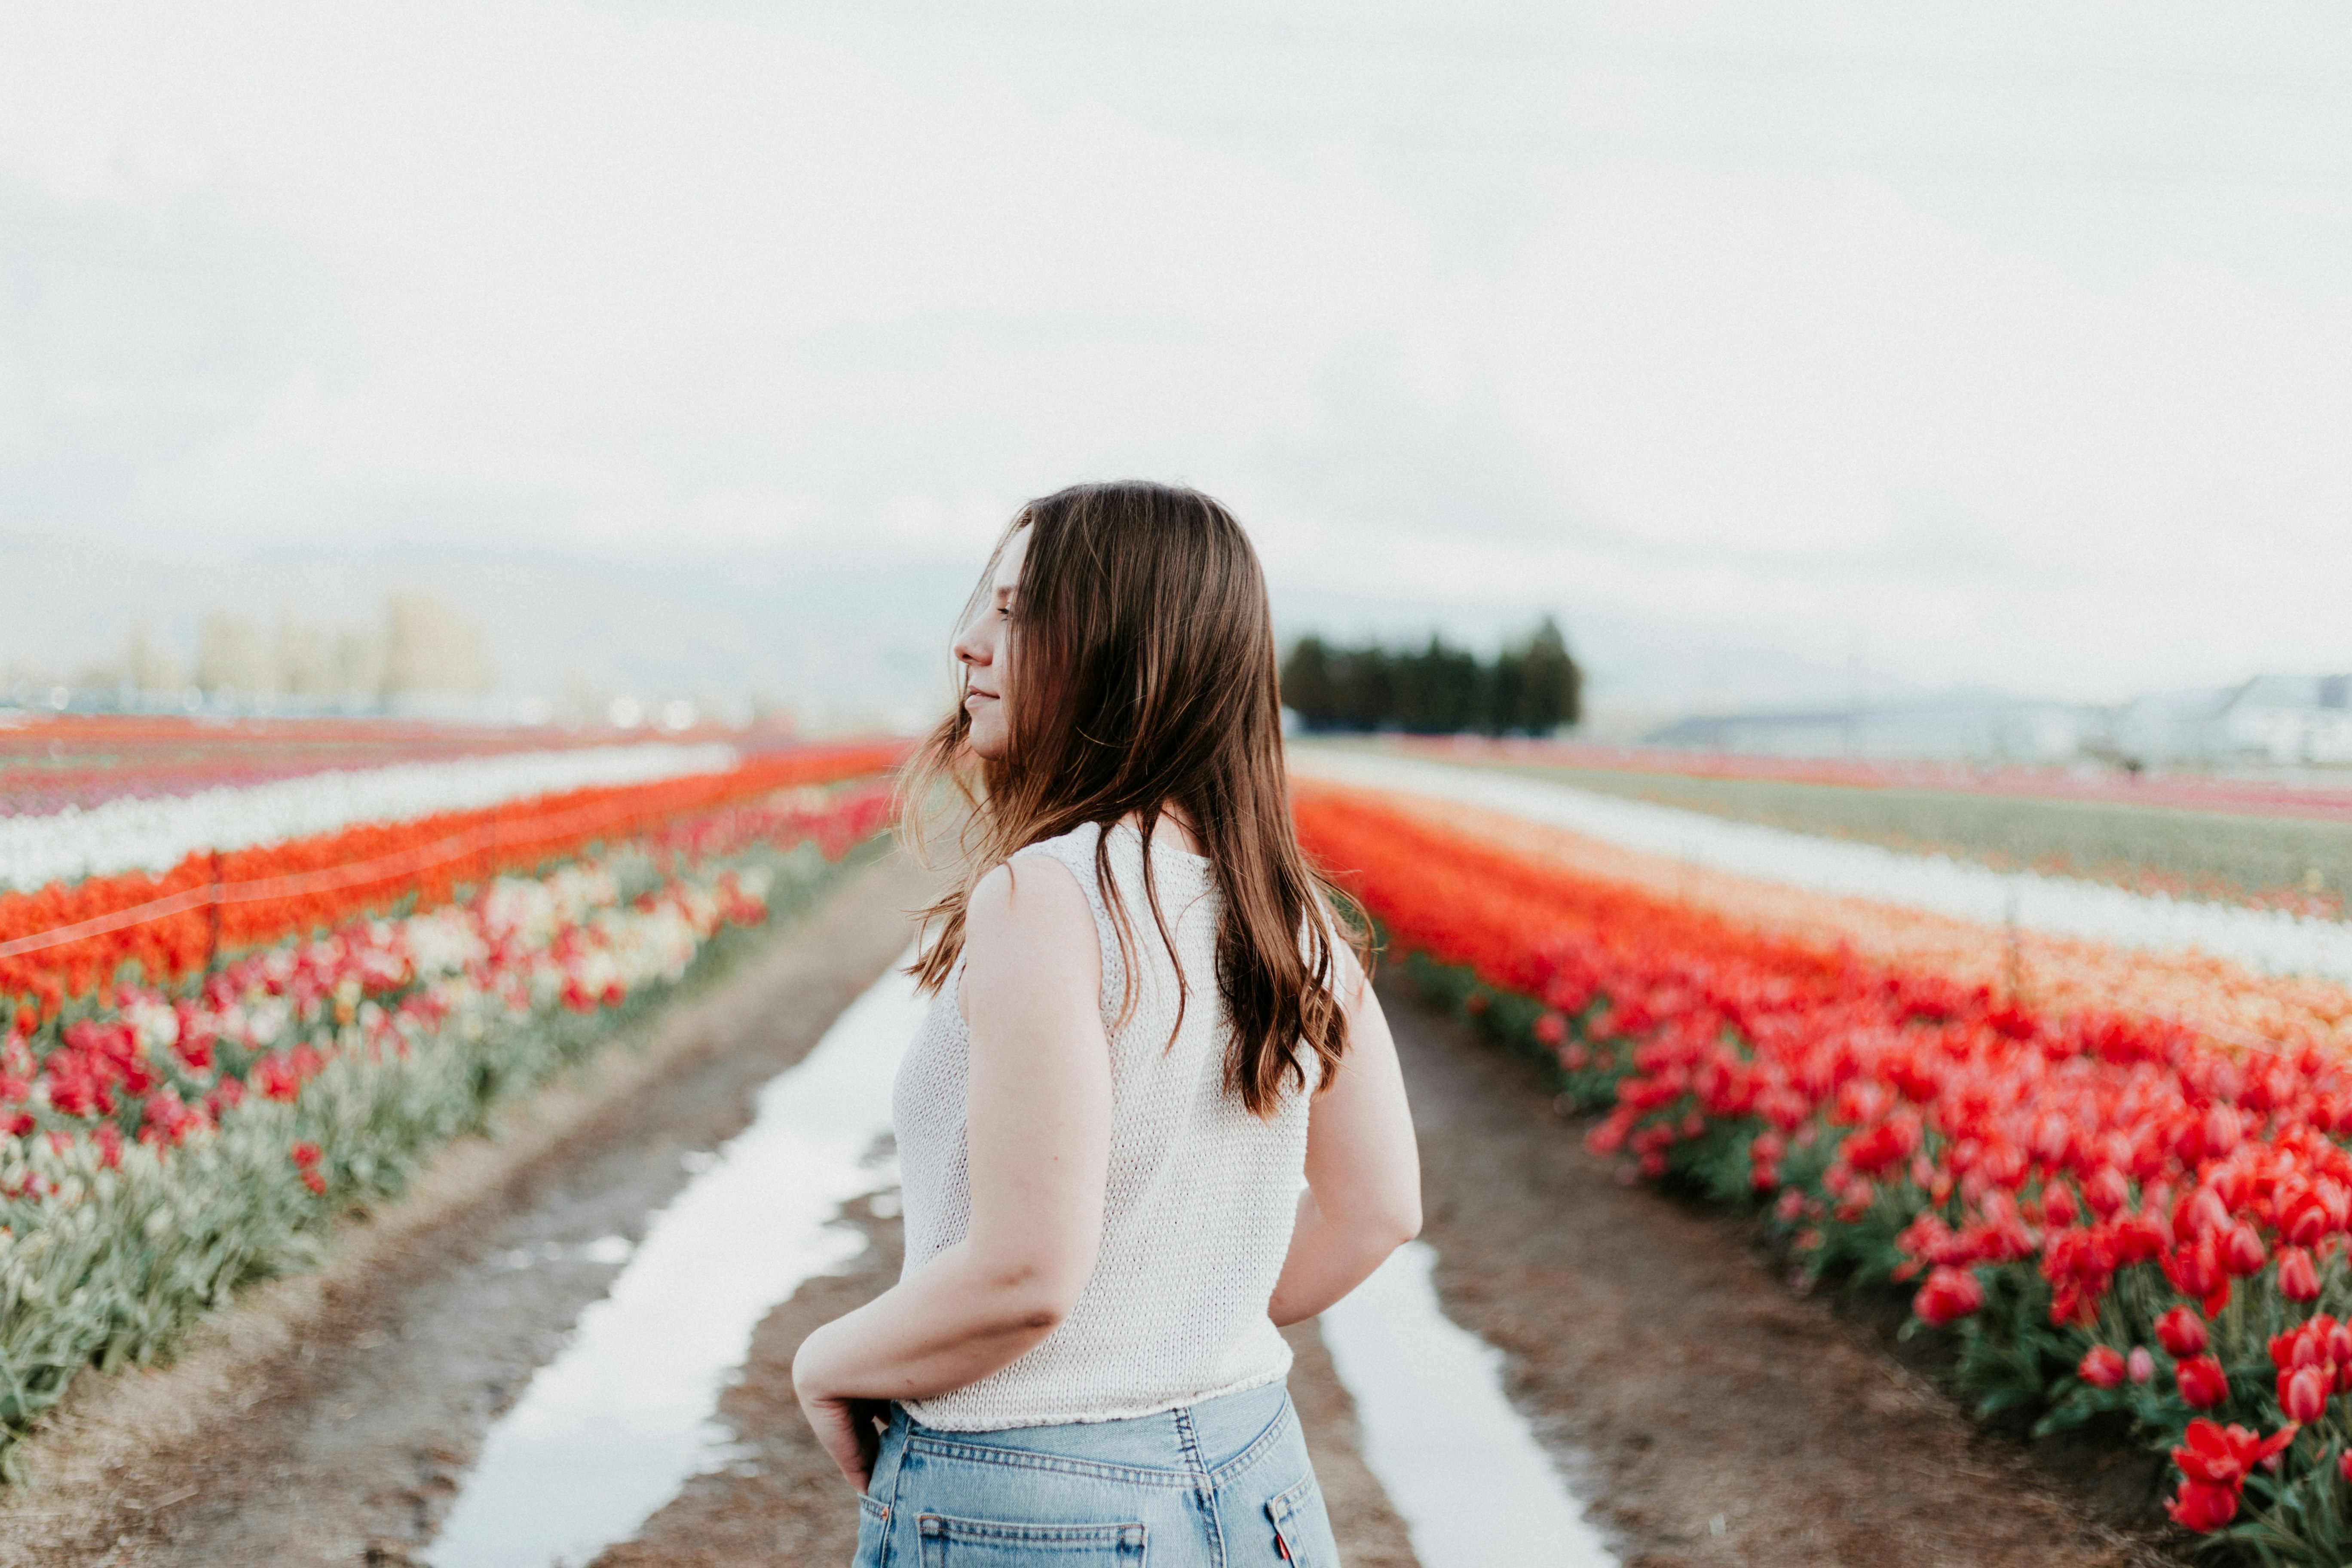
[252, 989]
[2284, 847]
[2100, 785]
[2114, 1170]
[2099, 1139]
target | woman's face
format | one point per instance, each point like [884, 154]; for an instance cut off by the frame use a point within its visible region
[985, 646]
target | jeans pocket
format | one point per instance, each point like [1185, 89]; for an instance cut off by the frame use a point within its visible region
[873, 1531]
[950, 1543]
[1302, 1531]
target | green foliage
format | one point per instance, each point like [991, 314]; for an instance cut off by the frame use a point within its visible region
[1532, 686]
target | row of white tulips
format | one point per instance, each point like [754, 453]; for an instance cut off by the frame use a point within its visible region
[155, 835]
[2268, 941]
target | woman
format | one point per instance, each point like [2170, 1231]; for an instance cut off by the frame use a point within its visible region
[1154, 1114]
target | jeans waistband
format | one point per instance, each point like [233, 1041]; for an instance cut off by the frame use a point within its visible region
[1220, 1437]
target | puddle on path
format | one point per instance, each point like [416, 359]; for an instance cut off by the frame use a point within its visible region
[608, 1431]
[1472, 1483]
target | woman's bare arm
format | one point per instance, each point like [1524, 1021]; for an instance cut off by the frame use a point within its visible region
[1363, 1171]
[1038, 1115]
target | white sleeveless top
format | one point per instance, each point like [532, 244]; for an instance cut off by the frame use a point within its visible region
[1198, 1210]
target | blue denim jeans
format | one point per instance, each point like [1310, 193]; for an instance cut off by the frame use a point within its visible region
[1222, 1484]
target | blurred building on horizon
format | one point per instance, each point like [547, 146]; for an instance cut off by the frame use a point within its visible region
[418, 655]
[2272, 721]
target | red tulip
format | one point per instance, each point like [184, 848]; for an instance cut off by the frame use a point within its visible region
[2344, 1465]
[2302, 1393]
[2303, 1220]
[2200, 1506]
[2203, 1384]
[2107, 1192]
[2223, 1131]
[2298, 1347]
[2298, 1280]
[2195, 1266]
[2242, 1250]
[1949, 1295]
[2058, 1206]
[2202, 1214]
[2141, 1364]
[2182, 1333]
[2101, 1367]
[2220, 1455]
[2340, 1351]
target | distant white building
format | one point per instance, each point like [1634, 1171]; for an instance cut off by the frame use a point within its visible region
[2277, 720]
[2270, 718]
[2170, 726]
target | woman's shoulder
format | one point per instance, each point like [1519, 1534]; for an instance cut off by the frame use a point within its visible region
[1075, 851]
[1023, 914]
[1123, 841]
[1070, 848]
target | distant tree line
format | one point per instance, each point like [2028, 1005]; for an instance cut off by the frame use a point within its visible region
[1530, 687]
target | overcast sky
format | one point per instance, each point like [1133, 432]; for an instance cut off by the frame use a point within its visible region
[1995, 343]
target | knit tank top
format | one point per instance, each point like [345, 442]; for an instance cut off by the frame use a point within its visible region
[1200, 1194]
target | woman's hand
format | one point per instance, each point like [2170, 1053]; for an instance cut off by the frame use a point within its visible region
[847, 1429]
[844, 1424]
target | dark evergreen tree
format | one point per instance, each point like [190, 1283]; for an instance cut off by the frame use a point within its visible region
[1532, 686]
[1550, 687]
[1307, 683]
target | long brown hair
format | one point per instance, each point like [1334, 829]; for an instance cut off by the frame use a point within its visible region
[1146, 678]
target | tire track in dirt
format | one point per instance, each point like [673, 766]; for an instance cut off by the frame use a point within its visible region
[1716, 1416]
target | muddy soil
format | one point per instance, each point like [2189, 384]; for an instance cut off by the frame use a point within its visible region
[352, 1449]
[1712, 1415]
[784, 1502]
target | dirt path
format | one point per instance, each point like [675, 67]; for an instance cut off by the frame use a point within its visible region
[1717, 1417]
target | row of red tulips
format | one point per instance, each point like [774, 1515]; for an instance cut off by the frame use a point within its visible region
[161, 1063]
[2121, 1223]
[65, 940]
